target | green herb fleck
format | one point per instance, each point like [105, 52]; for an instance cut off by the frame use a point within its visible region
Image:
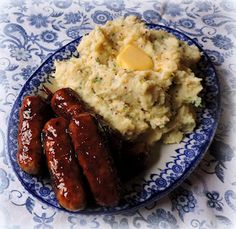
[97, 79]
[198, 102]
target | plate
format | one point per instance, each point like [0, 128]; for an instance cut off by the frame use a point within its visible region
[170, 164]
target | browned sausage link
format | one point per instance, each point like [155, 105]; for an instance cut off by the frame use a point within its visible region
[94, 158]
[32, 118]
[65, 103]
[132, 159]
[63, 166]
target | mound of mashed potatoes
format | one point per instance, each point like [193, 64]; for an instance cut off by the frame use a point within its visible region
[139, 80]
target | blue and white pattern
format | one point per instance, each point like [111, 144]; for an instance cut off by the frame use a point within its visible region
[30, 31]
[178, 163]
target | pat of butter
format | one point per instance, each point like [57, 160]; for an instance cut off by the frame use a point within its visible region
[133, 58]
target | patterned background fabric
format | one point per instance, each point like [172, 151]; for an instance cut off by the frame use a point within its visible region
[30, 31]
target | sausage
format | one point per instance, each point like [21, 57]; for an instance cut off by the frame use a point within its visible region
[66, 103]
[32, 117]
[133, 158]
[63, 166]
[95, 160]
[130, 158]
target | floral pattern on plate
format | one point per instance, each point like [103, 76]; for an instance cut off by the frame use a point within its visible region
[158, 181]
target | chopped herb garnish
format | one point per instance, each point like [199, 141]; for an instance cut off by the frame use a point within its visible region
[198, 102]
[97, 79]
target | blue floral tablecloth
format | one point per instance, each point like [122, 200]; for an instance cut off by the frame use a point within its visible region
[30, 31]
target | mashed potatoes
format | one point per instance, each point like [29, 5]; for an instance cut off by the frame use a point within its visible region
[147, 104]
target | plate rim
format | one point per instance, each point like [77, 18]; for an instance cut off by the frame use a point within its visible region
[156, 196]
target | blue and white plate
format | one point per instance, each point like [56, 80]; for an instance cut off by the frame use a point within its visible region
[170, 164]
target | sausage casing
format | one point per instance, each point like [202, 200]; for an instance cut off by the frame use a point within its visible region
[133, 159]
[65, 103]
[94, 159]
[32, 117]
[63, 166]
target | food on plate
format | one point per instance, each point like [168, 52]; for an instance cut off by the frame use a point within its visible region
[133, 58]
[130, 87]
[73, 135]
[133, 158]
[32, 117]
[64, 169]
[65, 103]
[139, 80]
[95, 160]
[130, 158]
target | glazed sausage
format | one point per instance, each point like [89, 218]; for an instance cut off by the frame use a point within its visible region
[133, 159]
[130, 158]
[95, 160]
[63, 166]
[66, 103]
[32, 117]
